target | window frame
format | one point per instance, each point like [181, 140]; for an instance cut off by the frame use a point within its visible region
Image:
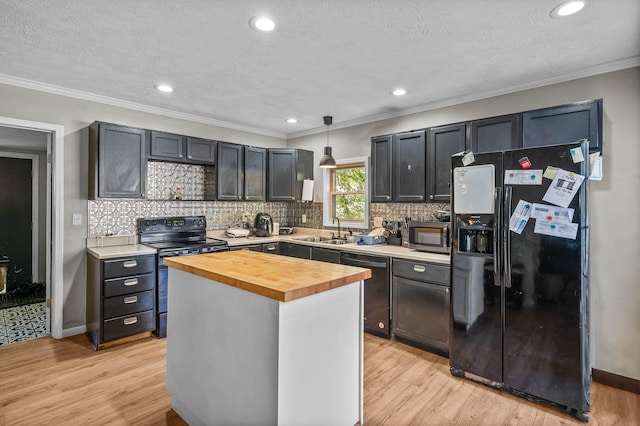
[327, 218]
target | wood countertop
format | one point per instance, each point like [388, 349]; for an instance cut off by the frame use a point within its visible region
[277, 277]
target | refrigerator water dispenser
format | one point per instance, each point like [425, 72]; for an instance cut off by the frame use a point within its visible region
[475, 239]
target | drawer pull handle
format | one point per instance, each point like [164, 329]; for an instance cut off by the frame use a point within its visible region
[130, 264]
[271, 248]
[130, 282]
[130, 299]
[419, 268]
[130, 321]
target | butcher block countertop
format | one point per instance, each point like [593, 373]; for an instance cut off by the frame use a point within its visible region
[277, 277]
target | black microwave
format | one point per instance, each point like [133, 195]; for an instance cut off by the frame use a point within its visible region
[429, 236]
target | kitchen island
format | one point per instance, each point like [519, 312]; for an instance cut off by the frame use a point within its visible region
[256, 338]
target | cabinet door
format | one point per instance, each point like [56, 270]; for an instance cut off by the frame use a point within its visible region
[119, 169]
[409, 167]
[295, 250]
[166, 146]
[230, 172]
[382, 166]
[255, 173]
[325, 255]
[564, 124]
[421, 312]
[201, 151]
[282, 175]
[444, 141]
[495, 134]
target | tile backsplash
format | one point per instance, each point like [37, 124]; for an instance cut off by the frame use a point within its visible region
[118, 216]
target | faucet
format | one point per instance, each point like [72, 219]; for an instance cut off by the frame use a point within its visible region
[334, 221]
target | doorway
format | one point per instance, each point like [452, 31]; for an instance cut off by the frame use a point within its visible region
[50, 211]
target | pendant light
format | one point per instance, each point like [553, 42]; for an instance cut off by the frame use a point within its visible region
[327, 161]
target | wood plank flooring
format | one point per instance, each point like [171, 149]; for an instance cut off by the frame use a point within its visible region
[64, 382]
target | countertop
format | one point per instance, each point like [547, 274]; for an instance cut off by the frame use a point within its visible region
[120, 251]
[375, 249]
[277, 277]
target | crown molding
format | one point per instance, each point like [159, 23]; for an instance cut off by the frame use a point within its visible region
[583, 73]
[86, 96]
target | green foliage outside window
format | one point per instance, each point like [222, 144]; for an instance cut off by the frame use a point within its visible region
[348, 193]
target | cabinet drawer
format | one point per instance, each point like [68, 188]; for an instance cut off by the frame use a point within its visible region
[128, 304]
[128, 325]
[123, 267]
[421, 271]
[132, 284]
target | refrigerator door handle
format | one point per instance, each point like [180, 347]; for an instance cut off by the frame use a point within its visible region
[497, 228]
[507, 237]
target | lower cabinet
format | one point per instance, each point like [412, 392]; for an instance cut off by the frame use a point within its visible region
[120, 297]
[273, 248]
[295, 250]
[421, 300]
[325, 255]
[252, 247]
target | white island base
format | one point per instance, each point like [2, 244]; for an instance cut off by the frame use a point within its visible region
[239, 358]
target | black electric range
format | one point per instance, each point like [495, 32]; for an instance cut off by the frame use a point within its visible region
[174, 236]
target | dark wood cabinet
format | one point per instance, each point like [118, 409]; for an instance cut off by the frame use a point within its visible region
[201, 151]
[382, 169]
[230, 171]
[120, 297]
[166, 146]
[443, 142]
[495, 133]
[117, 161]
[287, 169]
[325, 255]
[295, 250]
[409, 171]
[564, 124]
[255, 173]
[421, 303]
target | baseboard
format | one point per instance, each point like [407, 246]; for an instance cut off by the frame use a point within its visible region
[616, 381]
[67, 332]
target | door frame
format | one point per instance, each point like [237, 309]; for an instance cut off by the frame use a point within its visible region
[54, 214]
[35, 164]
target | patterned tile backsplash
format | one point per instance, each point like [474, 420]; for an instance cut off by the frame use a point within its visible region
[118, 216]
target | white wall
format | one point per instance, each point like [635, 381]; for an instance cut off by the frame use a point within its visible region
[75, 115]
[614, 202]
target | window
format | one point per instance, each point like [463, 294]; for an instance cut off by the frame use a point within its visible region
[346, 194]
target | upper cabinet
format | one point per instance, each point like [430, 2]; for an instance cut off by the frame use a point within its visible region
[117, 161]
[382, 168]
[409, 169]
[255, 173]
[230, 171]
[166, 146]
[201, 151]
[564, 124]
[443, 142]
[287, 169]
[495, 133]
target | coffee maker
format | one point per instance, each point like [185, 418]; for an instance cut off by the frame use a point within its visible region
[263, 225]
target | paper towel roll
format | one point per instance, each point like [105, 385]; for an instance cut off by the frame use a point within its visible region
[307, 190]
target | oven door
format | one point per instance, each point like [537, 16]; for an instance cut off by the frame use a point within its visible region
[431, 237]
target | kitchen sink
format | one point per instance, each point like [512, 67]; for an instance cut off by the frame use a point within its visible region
[314, 239]
[335, 241]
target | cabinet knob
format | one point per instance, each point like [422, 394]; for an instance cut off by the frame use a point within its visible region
[431, 197]
[190, 157]
[180, 155]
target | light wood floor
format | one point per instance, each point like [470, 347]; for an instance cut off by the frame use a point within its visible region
[64, 382]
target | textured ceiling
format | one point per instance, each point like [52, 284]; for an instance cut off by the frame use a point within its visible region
[339, 58]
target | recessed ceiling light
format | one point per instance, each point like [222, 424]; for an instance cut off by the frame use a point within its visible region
[262, 23]
[291, 120]
[163, 88]
[399, 92]
[567, 8]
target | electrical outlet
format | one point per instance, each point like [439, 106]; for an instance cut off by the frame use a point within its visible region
[377, 222]
[76, 219]
[304, 218]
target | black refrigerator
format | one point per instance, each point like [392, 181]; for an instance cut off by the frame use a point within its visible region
[519, 273]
